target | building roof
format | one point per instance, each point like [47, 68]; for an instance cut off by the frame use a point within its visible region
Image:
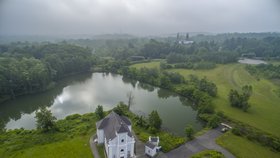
[150, 145]
[114, 123]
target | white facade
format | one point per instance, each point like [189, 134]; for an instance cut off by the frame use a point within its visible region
[120, 147]
[152, 146]
[150, 151]
[121, 142]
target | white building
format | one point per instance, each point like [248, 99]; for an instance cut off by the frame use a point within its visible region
[151, 147]
[114, 132]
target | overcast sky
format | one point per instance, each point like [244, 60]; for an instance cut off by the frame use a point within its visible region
[140, 17]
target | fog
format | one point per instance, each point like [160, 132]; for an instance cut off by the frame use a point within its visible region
[139, 17]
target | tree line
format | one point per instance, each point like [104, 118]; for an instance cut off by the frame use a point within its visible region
[28, 68]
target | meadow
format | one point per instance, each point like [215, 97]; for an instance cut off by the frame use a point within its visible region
[265, 103]
[242, 147]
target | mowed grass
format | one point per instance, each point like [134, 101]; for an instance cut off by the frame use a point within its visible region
[264, 113]
[77, 147]
[265, 110]
[243, 148]
[153, 64]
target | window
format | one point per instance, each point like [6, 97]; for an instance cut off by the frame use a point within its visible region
[122, 140]
[121, 150]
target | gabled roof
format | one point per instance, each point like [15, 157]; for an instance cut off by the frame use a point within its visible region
[150, 145]
[114, 123]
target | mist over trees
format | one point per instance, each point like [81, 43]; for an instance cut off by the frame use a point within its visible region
[28, 68]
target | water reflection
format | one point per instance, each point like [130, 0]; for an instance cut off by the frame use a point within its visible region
[83, 96]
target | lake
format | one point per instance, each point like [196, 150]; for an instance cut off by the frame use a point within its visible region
[251, 61]
[82, 94]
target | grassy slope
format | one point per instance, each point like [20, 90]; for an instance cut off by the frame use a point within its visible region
[264, 113]
[77, 147]
[72, 140]
[243, 148]
[153, 64]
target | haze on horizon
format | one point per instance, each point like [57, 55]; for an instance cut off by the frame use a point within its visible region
[139, 17]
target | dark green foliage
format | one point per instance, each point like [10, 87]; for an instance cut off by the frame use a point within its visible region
[44, 120]
[241, 100]
[268, 71]
[121, 109]
[175, 58]
[140, 121]
[209, 154]
[155, 49]
[99, 112]
[154, 76]
[31, 68]
[254, 134]
[189, 131]
[214, 121]
[154, 121]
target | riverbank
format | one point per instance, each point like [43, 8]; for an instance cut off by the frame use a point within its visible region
[51, 86]
[70, 139]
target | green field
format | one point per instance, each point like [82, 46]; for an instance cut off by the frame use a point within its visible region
[153, 64]
[77, 147]
[243, 148]
[265, 111]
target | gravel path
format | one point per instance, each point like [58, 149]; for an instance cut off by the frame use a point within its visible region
[93, 147]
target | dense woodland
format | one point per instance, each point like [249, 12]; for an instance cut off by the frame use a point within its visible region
[26, 68]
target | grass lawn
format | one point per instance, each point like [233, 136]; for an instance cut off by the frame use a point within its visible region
[77, 147]
[264, 113]
[71, 139]
[208, 154]
[153, 64]
[265, 109]
[243, 148]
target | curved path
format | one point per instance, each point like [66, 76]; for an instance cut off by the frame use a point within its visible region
[200, 143]
[93, 147]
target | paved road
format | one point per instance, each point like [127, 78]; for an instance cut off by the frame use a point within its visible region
[139, 147]
[93, 147]
[203, 142]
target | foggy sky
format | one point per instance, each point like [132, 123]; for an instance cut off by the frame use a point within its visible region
[60, 17]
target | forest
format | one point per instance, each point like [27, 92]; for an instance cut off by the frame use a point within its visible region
[27, 68]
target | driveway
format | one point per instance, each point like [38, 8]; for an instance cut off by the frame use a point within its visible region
[93, 147]
[203, 142]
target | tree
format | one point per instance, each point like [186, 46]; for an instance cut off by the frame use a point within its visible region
[189, 131]
[213, 121]
[140, 121]
[121, 109]
[241, 100]
[154, 120]
[130, 97]
[99, 112]
[45, 121]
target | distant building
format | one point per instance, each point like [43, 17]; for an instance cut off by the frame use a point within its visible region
[114, 132]
[152, 146]
[185, 41]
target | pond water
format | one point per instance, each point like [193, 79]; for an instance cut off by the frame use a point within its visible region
[251, 61]
[82, 94]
